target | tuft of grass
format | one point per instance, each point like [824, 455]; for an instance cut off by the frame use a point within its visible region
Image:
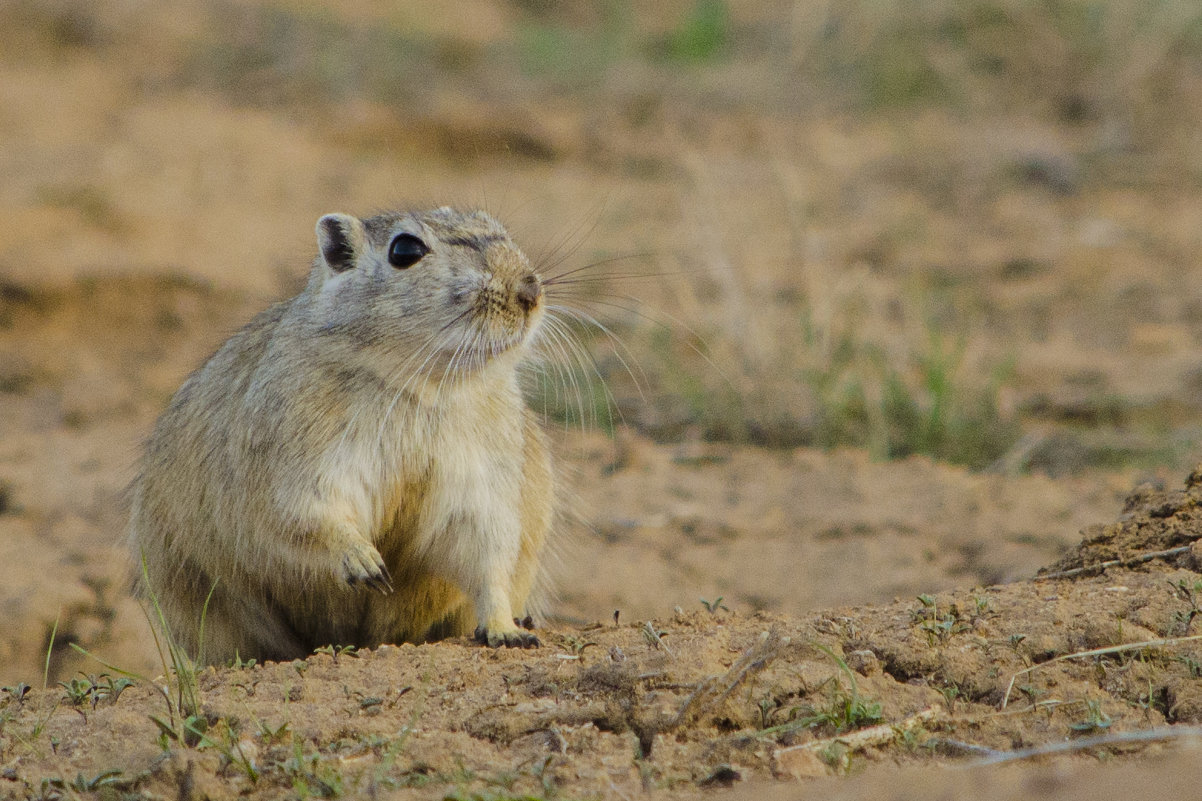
[843, 709]
[100, 783]
[1095, 719]
[50, 650]
[938, 627]
[846, 708]
[94, 689]
[336, 651]
[223, 738]
[1190, 593]
[16, 693]
[184, 720]
[311, 775]
[184, 723]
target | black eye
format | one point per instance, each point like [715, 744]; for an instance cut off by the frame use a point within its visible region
[406, 250]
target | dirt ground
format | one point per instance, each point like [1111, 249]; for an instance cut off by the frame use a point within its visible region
[1081, 665]
[740, 613]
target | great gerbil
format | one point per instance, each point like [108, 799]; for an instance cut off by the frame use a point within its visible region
[357, 466]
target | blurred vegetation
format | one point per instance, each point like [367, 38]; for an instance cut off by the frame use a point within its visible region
[825, 387]
[704, 34]
[1080, 59]
[930, 408]
[1076, 59]
[1127, 72]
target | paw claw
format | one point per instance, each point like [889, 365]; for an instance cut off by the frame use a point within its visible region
[381, 583]
[513, 638]
[364, 565]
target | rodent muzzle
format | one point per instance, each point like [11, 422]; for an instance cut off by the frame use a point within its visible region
[529, 290]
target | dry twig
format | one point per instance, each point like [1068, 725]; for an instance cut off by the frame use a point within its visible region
[859, 739]
[1144, 736]
[1100, 566]
[716, 689]
[1113, 649]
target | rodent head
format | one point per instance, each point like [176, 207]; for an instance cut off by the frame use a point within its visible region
[448, 290]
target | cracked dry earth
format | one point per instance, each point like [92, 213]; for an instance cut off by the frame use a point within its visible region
[699, 702]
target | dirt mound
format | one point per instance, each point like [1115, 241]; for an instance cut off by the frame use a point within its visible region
[1155, 524]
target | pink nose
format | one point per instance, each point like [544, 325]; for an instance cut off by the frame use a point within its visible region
[529, 291]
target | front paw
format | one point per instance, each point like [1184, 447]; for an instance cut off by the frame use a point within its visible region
[510, 638]
[362, 564]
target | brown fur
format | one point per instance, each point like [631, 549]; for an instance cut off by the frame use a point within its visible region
[356, 465]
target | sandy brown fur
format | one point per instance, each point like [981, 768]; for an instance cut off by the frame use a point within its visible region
[369, 430]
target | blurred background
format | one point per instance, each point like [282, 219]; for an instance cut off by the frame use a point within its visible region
[964, 229]
[956, 240]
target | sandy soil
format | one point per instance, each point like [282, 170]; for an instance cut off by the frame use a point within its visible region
[788, 620]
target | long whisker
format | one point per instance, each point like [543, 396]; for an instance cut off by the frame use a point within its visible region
[606, 277]
[561, 380]
[584, 359]
[570, 242]
[430, 348]
[693, 334]
[452, 364]
[432, 351]
[399, 370]
[619, 345]
[560, 344]
[594, 265]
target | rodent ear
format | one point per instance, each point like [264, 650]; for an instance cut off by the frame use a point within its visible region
[341, 238]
